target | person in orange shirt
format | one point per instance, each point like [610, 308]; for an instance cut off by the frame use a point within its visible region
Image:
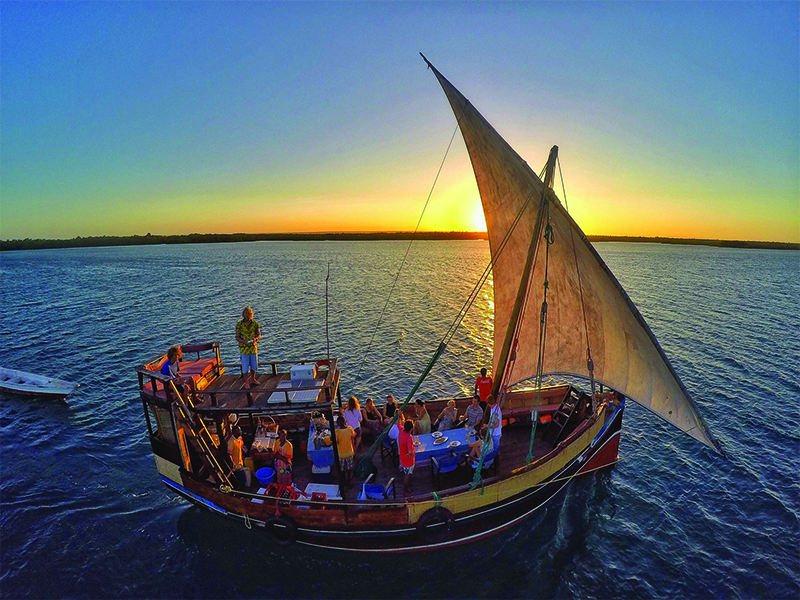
[483, 388]
[283, 459]
[236, 449]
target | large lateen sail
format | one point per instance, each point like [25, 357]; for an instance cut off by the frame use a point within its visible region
[626, 355]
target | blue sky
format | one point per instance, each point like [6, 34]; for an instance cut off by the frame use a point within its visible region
[674, 119]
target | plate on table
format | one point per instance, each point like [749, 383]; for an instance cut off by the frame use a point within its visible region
[454, 444]
[437, 434]
[439, 441]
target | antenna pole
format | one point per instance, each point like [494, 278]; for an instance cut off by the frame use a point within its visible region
[327, 335]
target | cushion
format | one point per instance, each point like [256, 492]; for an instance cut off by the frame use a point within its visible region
[197, 367]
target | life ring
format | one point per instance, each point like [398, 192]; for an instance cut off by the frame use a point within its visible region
[436, 524]
[281, 530]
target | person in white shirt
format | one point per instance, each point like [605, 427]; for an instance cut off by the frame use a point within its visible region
[495, 420]
[394, 432]
[353, 417]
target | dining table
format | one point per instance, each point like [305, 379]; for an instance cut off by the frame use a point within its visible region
[322, 457]
[262, 451]
[427, 447]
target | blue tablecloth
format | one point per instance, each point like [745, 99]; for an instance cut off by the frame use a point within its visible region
[426, 449]
[322, 457]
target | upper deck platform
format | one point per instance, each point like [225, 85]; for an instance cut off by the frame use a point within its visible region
[274, 392]
[217, 392]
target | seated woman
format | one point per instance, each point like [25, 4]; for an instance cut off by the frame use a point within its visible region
[373, 420]
[476, 446]
[389, 409]
[171, 368]
[448, 417]
[423, 424]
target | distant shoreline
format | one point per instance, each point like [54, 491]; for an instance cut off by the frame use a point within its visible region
[212, 238]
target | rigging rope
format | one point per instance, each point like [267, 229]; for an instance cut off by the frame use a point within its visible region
[589, 362]
[549, 238]
[365, 465]
[485, 275]
[405, 256]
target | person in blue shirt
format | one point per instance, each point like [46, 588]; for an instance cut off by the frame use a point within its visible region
[171, 368]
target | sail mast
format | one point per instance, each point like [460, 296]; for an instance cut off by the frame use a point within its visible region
[522, 291]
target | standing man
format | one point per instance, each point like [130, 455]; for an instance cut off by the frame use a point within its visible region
[284, 453]
[405, 443]
[494, 420]
[235, 449]
[483, 387]
[248, 332]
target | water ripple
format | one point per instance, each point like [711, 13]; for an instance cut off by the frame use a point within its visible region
[84, 515]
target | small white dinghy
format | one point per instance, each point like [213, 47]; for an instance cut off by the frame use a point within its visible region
[20, 382]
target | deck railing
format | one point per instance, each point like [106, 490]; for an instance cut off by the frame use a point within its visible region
[329, 385]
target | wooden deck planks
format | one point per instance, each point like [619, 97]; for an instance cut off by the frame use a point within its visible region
[227, 383]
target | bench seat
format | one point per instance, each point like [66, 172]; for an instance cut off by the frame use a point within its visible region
[199, 370]
[525, 411]
[201, 367]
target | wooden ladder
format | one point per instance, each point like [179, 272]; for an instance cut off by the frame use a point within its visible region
[203, 441]
[562, 417]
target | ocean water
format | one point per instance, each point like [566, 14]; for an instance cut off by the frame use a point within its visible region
[84, 514]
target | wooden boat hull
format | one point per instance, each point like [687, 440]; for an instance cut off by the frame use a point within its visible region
[30, 384]
[435, 531]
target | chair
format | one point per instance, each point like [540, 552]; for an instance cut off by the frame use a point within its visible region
[389, 448]
[375, 491]
[446, 464]
[489, 462]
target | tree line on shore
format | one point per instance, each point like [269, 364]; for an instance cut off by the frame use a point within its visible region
[212, 238]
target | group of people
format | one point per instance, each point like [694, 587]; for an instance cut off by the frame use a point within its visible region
[281, 457]
[354, 421]
[483, 414]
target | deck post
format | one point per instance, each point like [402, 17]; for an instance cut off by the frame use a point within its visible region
[147, 417]
[335, 447]
[220, 430]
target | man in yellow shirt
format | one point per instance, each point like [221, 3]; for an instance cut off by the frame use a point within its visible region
[248, 332]
[344, 443]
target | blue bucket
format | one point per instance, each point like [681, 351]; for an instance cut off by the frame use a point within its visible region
[265, 475]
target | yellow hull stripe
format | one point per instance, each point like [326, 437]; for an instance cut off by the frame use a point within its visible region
[511, 486]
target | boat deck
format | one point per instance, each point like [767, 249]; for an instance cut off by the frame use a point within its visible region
[513, 453]
[227, 393]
